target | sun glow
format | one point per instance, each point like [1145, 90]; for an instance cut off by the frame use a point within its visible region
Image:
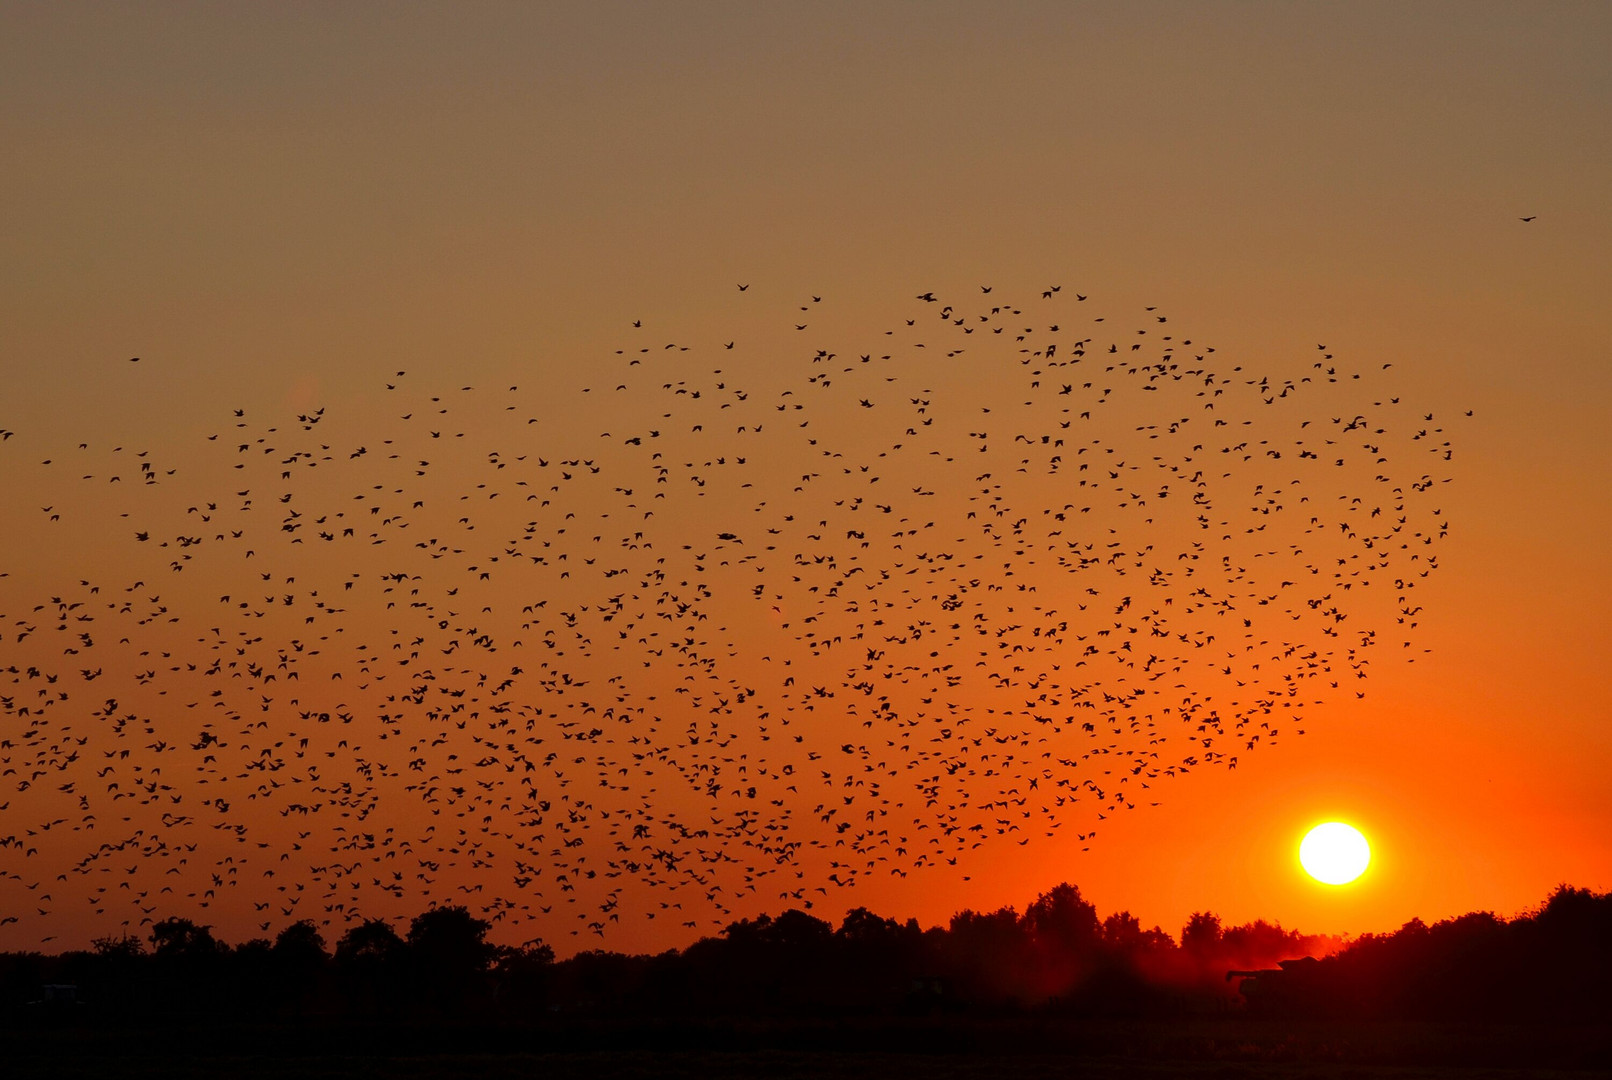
[1334, 853]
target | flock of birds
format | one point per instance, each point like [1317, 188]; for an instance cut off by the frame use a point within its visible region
[762, 622]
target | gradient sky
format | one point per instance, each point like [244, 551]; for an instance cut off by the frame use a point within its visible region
[276, 206]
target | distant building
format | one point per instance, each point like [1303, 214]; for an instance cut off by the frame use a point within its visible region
[57, 995]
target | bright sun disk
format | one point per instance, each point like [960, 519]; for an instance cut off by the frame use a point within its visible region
[1334, 853]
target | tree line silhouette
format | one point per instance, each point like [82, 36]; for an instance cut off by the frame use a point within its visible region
[1058, 956]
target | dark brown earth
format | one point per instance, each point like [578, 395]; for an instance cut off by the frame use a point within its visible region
[932, 1050]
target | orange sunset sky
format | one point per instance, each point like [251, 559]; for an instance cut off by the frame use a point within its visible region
[277, 209]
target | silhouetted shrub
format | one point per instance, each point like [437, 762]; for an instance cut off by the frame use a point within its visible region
[1549, 964]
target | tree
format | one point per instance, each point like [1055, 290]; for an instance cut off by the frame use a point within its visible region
[118, 949]
[297, 959]
[449, 954]
[1122, 932]
[183, 939]
[796, 930]
[371, 942]
[1063, 920]
[369, 959]
[523, 976]
[450, 940]
[301, 945]
[1201, 936]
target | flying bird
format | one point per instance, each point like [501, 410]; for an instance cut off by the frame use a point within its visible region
[359, 665]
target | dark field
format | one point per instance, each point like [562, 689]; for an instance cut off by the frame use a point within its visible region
[784, 1066]
[934, 1050]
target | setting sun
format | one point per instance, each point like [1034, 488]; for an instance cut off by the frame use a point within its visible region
[1334, 853]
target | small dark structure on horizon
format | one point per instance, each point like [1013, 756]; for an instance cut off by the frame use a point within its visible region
[57, 996]
[1266, 990]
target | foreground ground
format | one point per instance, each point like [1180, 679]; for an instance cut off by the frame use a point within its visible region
[932, 1050]
[769, 1064]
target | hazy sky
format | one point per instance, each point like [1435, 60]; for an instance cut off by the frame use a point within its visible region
[277, 206]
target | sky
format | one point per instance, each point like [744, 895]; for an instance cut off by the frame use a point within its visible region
[278, 208]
